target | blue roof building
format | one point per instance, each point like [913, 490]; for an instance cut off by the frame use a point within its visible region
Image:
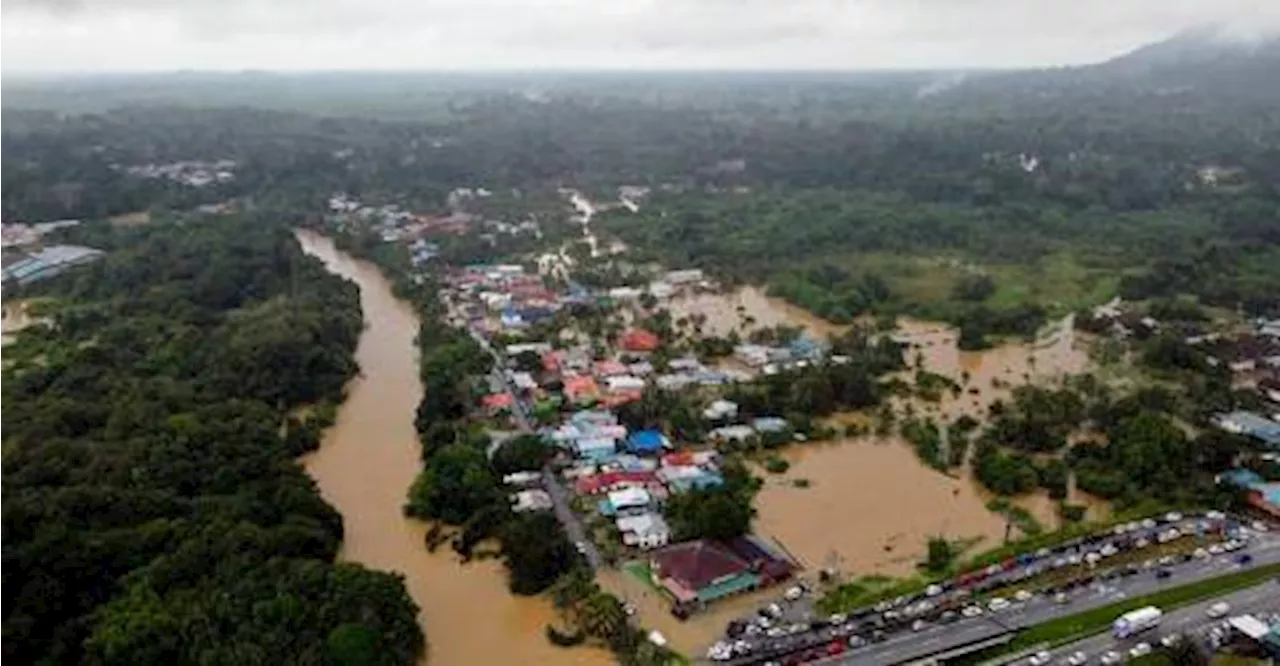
[48, 262]
[646, 441]
[1251, 424]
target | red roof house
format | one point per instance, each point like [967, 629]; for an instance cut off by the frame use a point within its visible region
[639, 341]
[701, 571]
[610, 368]
[498, 401]
[599, 483]
[582, 388]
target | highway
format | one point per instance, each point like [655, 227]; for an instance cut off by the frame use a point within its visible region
[1191, 621]
[908, 645]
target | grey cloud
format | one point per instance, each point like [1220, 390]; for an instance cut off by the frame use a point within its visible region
[293, 34]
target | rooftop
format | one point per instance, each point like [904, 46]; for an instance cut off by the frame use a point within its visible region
[698, 564]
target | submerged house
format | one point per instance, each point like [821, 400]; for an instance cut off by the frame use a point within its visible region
[700, 572]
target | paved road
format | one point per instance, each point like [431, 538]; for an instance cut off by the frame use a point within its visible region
[908, 645]
[560, 498]
[803, 609]
[1191, 621]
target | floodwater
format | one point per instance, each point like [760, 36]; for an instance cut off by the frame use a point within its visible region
[870, 507]
[723, 314]
[690, 636]
[872, 504]
[364, 467]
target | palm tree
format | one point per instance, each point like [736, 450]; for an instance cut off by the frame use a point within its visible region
[602, 616]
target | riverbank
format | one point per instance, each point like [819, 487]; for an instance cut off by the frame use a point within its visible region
[365, 465]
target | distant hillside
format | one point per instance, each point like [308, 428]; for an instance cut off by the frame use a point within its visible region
[1194, 71]
[1206, 61]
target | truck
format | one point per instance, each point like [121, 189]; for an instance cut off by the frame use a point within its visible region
[1137, 621]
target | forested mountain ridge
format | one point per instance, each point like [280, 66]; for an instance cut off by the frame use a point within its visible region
[153, 512]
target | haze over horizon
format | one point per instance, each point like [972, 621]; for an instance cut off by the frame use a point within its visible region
[99, 36]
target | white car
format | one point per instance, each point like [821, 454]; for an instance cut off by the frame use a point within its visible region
[1140, 650]
[1215, 515]
[933, 590]
[1040, 658]
[1150, 522]
[919, 625]
[1022, 595]
[1060, 598]
[971, 611]
[838, 618]
[1141, 543]
[997, 604]
[1216, 549]
[1111, 657]
[1200, 553]
[1218, 610]
[1172, 517]
[793, 594]
[1077, 659]
[1171, 640]
[1259, 526]
[1109, 550]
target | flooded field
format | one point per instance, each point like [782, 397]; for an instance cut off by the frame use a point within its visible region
[365, 464]
[727, 311]
[843, 520]
[870, 507]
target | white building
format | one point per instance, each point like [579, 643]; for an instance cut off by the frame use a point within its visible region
[720, 409]
[622, 383]
[686, 276]
[644, 531]
[629, 498]
[531, 500]
[624, 293]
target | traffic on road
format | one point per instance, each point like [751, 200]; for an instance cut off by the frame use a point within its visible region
[1021, 591]
[1204, 622]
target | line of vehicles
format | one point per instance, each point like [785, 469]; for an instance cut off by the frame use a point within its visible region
[767, 635]
[1135, 623]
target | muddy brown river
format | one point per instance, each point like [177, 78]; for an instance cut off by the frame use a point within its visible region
[366, 463]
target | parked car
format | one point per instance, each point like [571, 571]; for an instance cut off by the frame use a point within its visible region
[1077, 658]
[1218, 610]
[1040, 658]
[1140, 650]
[793, 594]
[1111, 657]
[1163, 573]
[1022, 595]
[1244, 558]
[997, 604]
[1171, 640]
[971, 611]
[1259, 526]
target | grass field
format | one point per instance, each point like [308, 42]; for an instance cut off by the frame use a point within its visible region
[1061, 282]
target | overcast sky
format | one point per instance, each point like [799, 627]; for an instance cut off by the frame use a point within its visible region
[164, 35]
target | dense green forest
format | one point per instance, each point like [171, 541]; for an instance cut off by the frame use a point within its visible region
[153, 511]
